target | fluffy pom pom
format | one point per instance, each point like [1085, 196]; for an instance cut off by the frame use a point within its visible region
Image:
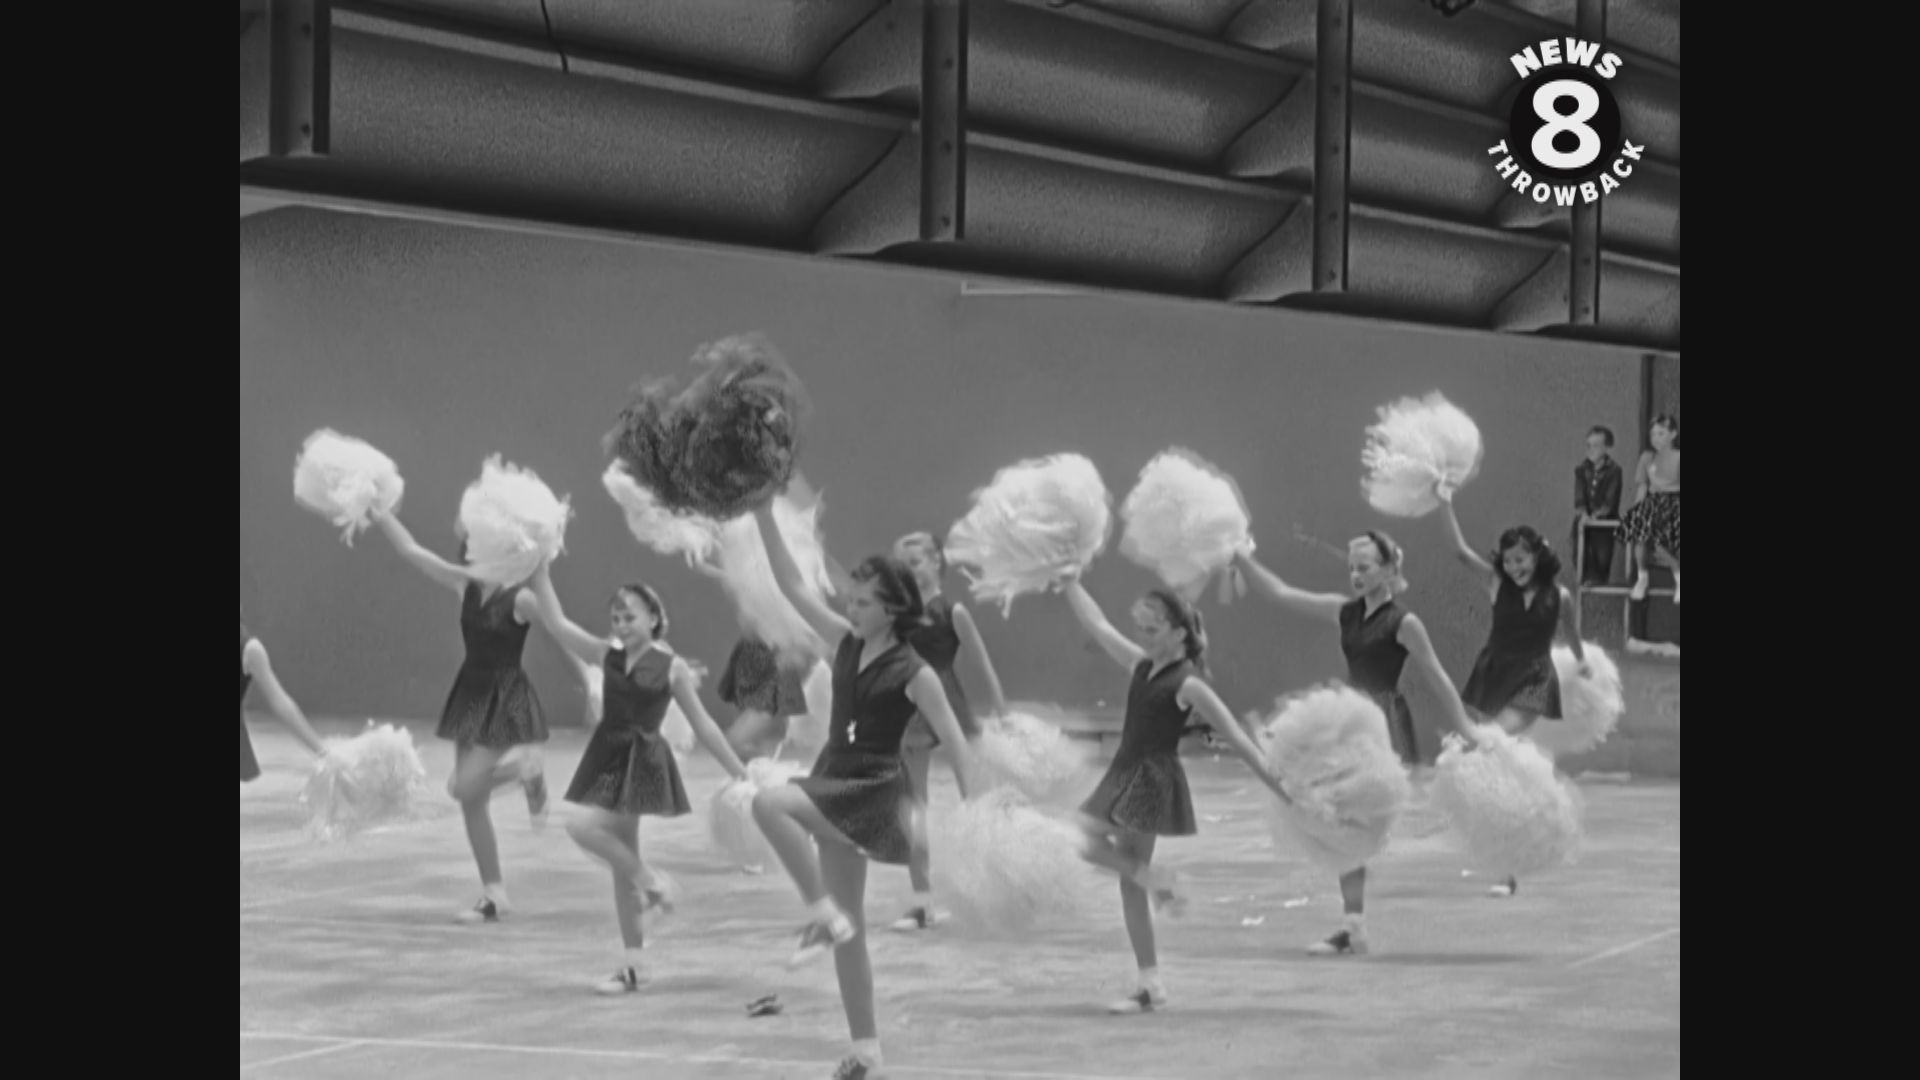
[345, 480]
[1184, 521]
[1417, 445]
[796, 513]
[362, 782]
[1029, 752]
[730, 821]
[512, 522]
[807, 734]
[665, 531]
[1037, 521]
[1330, 749]
[1004, 865]
[1590, 706]
[1514, 816]
[727, 442]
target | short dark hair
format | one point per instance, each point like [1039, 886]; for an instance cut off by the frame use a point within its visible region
[1546, 562]
[896, 589]
[1604, 432]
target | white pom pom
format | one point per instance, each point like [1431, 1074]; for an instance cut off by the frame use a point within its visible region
[1590, 706]
[1037, 521]
[368, 780]
[1330, 749]
[1184, 521]
[512, 522]
[665, 531]
[1003, 865]
[1029, 752]
[1514, 816]
[345, 480]
[1417, 445]
[807, 734]
[730, 821]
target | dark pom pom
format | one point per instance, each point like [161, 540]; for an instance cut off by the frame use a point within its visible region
[724, 445]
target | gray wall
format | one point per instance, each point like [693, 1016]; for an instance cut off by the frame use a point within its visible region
[441, 345]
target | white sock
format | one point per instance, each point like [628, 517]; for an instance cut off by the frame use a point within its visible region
[635, 958]
[1356, 922]
[496, 893]
[923, 900]
[1150, 979]
[824, 909]
[867, 1050]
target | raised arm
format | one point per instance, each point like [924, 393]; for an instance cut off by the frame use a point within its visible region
[972, 645]
[436, 568]
[1195, 694]
[1569, 629]
[826, 622]
[282, 703]
[687, 695]
[1322, 606]
[1413, 637]
[578, 644]
[930, 697]
[1094, 621]
[1461, 549]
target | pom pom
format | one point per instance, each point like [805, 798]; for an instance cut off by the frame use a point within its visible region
[1514, 816]
[1038, 521]
[796, 513]
[1184, 521]
[1590, 706]
[807, 734]
[730, 821]
[691, 536]
[1029, 752]
[512, 522]
[345, 481]
[726, 443]
[1004, 865]
[1330, 749]
[362, 782]
[1418, 445]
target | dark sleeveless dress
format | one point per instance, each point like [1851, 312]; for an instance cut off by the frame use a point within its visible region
[858, 781]
[756, 679]
[1375, 659]
[1145, 789]
[249, 765]
[628, 767]
[1515, 670]
[492, 703]
[939, 645]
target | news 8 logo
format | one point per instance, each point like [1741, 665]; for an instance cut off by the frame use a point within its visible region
[1564, 139]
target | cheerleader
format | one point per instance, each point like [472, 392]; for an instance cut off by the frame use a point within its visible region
[492, 715]
[1514, 683]
[1144, 794]
[1378, 636]
[627, 770]
[948, 632]
[1654, 519]
[857, 801]
[254, 666]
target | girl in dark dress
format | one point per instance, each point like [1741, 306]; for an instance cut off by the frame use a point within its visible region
[948, 633]
[1378, 637]
[254, 666]
[627, 770]
[1514, 683]
[492, 716]
[857, 802]
[1144, 794]
[1653, 521]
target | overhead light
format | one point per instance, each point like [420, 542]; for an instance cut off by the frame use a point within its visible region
[1450, 8]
